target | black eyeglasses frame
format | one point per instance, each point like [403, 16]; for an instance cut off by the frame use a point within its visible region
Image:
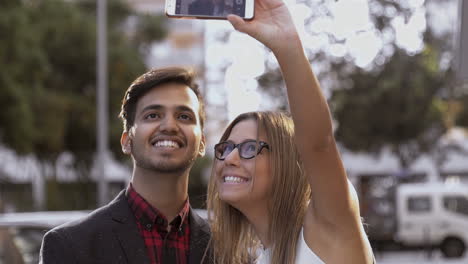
[238, 146]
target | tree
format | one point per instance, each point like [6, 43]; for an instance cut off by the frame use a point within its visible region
[328, 68]
[21, 63]
[397, 101]
[461, 115]
[47, 82]
[396, 105]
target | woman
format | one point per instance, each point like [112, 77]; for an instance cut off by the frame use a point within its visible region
[261, 195]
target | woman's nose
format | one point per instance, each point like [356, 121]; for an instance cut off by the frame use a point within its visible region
[233, 158]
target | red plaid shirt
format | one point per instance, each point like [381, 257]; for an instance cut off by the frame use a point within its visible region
[163, 247]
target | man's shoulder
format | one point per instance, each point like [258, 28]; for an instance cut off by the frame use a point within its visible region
[200, 236]
[200, 227]
[95, 220]
[87, 238]
[198, 218]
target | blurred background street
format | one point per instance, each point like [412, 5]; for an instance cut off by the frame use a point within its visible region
[395, 74]
[416, 257]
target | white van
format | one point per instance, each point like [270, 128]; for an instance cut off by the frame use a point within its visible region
[433, 214]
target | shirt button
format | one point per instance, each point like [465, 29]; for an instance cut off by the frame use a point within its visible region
[148, 226]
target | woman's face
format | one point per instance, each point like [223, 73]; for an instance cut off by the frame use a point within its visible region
[235, 175]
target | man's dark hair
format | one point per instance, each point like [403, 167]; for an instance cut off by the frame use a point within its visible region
[150, 80]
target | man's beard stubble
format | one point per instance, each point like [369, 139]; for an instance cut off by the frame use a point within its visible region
[163, 166]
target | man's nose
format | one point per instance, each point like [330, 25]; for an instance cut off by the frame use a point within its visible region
[169, 124]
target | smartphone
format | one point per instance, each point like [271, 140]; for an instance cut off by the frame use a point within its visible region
[210, 9]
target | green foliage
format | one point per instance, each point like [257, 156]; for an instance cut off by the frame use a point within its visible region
[18, 194]
[48, 77]
[78, 195]
[462, 117]
[331, 69]
[21, 65]
[396, 105]
[398, 102]
[145, 32]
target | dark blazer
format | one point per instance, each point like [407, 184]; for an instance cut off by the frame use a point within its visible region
[110, 235]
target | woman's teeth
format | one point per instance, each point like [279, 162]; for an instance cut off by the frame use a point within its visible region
[234, 179]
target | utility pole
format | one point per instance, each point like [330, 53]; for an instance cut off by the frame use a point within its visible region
[462, 42]
[102, 102]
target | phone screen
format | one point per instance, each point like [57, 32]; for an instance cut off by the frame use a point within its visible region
[212, 8]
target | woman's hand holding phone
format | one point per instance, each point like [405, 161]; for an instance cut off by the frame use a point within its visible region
[273, 25]
[209, 9]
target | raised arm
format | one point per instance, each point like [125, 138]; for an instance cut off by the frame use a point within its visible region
[332, 221]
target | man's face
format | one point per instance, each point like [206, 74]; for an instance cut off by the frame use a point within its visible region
[166, 135]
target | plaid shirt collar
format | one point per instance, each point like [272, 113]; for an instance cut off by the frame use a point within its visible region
[148, 215]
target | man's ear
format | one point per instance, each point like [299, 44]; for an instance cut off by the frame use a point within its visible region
[126, 143]
[202, 148]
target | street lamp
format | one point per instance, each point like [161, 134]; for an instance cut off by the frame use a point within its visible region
[462, 42]
[102, 101]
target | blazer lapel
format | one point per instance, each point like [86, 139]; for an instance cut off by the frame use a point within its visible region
[126, 231]
[199, 239]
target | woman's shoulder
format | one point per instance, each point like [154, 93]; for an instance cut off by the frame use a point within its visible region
[304, 254]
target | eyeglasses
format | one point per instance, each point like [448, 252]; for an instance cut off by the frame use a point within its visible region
[247, 149]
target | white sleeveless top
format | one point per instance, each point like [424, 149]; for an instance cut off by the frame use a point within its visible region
[304, 255]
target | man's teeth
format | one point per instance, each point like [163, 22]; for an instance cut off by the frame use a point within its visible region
[167, 144]
[234, 179]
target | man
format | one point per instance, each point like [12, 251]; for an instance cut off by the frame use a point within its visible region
[151, 221]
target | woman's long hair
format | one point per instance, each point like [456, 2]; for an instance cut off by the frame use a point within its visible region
[234, 240]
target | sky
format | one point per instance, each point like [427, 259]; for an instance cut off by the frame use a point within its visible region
[349, 23]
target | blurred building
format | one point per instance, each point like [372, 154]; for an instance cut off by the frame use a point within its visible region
[425, 168]
[184, 45]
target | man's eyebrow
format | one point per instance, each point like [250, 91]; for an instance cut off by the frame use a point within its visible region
[185, 109]
[152, 107]
[180, 108]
